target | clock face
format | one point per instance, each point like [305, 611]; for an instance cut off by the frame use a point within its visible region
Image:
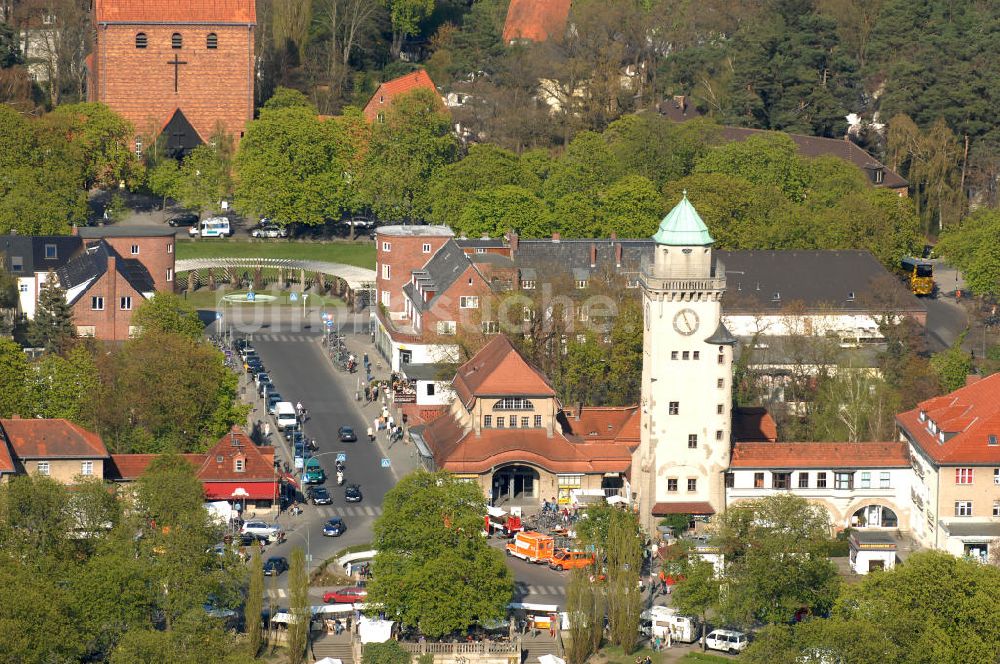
[686, 322]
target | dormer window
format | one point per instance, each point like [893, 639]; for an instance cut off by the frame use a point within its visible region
[992, 440]
[776, 297]
[850, 296]
[219, 459]
[922, 416]
[239, 465]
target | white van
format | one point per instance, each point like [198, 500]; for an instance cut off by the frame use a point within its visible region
[212, 227]
[663, 619]
[284, 413]
[726, 640]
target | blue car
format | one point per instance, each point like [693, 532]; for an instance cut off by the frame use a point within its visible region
[335, 527]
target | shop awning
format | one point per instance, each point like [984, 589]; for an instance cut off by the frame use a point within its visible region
[696, 508]
[229, 490]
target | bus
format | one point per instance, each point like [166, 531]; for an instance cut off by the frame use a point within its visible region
[919, 275]
[212, 227]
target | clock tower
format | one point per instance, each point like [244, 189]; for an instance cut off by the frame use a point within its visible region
[686, 374]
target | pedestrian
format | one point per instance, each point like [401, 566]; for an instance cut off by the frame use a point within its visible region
[375, 425]
[669, 639]
[305, 414]
[267, 430]
[392, 422]
[371, 435]
[552, 628]
[656, 644]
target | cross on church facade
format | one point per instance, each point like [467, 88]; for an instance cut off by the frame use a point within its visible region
[176, 62]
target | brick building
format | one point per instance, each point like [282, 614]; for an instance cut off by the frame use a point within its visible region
[151, 246]
[389, 91]
[180, 69]
[55, 448]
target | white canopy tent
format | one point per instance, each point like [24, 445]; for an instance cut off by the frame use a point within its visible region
[550, 659]
[374, 630]
[329, 660]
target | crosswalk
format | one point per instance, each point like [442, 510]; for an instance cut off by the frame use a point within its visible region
[279, 593]
[350, 510]
[286, 337]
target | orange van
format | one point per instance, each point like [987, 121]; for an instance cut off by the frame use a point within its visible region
[566, 559]
[531, 546]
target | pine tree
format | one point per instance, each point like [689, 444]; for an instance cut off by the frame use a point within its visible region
[52, 327]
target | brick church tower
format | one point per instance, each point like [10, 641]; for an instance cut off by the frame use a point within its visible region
[179, 69]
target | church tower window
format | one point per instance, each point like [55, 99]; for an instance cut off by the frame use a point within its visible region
[140, 40]
[176, 41]
[212, 41]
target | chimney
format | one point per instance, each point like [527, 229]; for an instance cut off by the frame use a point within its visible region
[579, 411]
[512, 239]
[555, 237]
[484, 236]
[74, 231]
[618, 255]
[614, 237]
[593, 255]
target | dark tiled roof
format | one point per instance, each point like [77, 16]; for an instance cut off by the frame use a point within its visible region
[93, 263]
[441, 271]
[481, 243]
[31, 250]
[818, 146]
[95, 232]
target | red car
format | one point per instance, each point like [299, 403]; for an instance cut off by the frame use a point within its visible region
[345, 596]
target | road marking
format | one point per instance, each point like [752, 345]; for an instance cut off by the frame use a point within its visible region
[369, 511]
[279, 592]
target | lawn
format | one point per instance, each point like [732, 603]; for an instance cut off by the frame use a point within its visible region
[361, 254]
[615, 656]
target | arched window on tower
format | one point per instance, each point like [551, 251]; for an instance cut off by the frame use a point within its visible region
[140, 40]
[176, 41]
[212, 41]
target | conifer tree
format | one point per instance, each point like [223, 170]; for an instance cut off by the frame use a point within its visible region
[52, 327]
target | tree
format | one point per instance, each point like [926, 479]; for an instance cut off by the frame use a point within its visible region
[13, 370]
[697, 593]
[973, 247]
[952, 366]
[389, 652]
[63, 385]
[406, 16]
[104, 139]
[203, 178]
[767, 159]
[164, 314]
[24, 612]
[405, 150]
[163, 179]
[52, 327]
[288, 98]
[775, 550]
[433, 570]
[623, 552]
[298, 603]
[255, 603]
[493, 211]
[291, 167]
[585, 606]
[631, 207]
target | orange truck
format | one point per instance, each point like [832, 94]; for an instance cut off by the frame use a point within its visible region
[532, 546]
[566, 559]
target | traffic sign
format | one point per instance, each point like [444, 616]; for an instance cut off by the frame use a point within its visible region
[250, 296]
[329, 323]
[218, 315]
[294, 297]
[385, 462]
[342, 456]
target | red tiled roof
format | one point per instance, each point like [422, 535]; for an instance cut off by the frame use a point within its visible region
[52, 439]
[617, 423]
[6, 462]
[536, 20]
[417, 414]
[663, 509]
[390, 90]
[499, 370]
[175, 11]
[129, 467]
[752, 423]
[819, 455]
[220, 461]
[459, 451]
[968, 417]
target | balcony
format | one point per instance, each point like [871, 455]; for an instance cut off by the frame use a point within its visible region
[651, 282]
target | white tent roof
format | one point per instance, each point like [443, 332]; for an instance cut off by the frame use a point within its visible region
[329, 660]
[550, 659]
[374, 631]
[495, 512]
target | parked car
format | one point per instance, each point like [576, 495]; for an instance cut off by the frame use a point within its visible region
[726, 640]
[262, 529]
[245, 349]
[352, 493]
[249, 539]
[319, 495]
[254, 366]
[314, 472]
[347, 435]
[565, 559]
[183, 219]
[334, 527]
[275, 565]
[240, 344]
[284, 413]
[269, 230]
[345, 596]
[272, 400]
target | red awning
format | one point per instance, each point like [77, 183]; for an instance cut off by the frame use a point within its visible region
[254, 490]
[696, 508]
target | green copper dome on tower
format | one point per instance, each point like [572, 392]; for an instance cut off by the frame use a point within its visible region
[683, 227]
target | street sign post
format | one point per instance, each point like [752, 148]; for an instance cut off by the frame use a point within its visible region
[385, 462]
[342, 457]
[293, 296]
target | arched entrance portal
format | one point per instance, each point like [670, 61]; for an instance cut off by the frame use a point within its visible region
[874, 516]
[515, 485]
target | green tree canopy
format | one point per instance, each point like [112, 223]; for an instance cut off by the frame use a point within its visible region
[952, 366]
[203, 179]
[164, 313]
[632, 207]
[768, 159]
[495, 210]
[974, 248]
[433, 569]
[104, 139]
[52, 327]
[288, 98]
[13, 370]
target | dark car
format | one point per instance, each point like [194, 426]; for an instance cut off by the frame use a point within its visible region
[347, 435]
[275, 565]
[272, 399]
[183, 219]
[352, 493]
[335, 527]
[263, 383]
[240, 344]
[319, 495]
[249, 539]
[254, 366]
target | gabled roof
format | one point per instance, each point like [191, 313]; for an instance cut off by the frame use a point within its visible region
[603, 423]
[819, 146]
[6, 462]
[31, 250]
[97, 232]
[683, 226]
[219, 464]
[241, 12]
[789, 456]
[753, 424]
[92, 263]
[52, 439]
[389, 91]
[967, 419]
[499, 370]
[438, 274]
[536, 20]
